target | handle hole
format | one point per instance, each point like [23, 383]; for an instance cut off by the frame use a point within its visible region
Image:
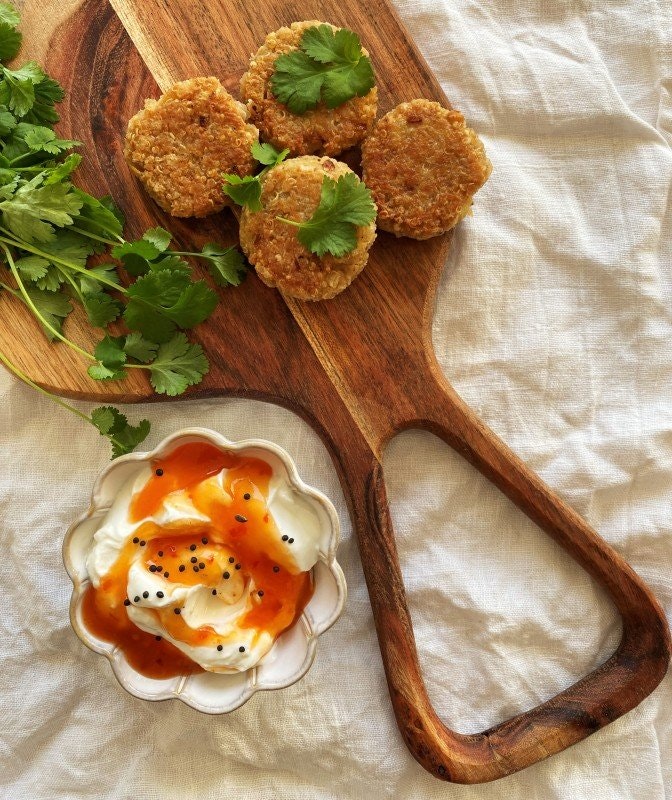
[504, 619]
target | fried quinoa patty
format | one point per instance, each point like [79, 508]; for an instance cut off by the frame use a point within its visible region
[322, 130]
[180, 144]
[423, 165]
[292, 190]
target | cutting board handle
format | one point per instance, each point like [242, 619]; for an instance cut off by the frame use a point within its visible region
[609, 691]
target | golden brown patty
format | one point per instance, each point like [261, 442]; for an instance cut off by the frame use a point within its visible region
[180, 144]
[423, 166]
[292, 190]
[322, 130]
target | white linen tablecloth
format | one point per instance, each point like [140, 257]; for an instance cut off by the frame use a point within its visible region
[554, 321]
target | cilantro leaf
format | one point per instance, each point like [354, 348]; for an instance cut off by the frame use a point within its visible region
[30, 71]
[95, 216]
[159, 237]
[107, 201]
[170, 261]
[110, 351]
[9, 184]
[328, 46]
[297, 81]
[89, 283]
[104, 418]
[17, 90]
[136, 265]
[18, 94]
[247, 191]
[149, 322]
[341, 85]
[344, 205]
[7, 122]
[136, 256]
[51, 280]
[243, 191]
[50, 89]
[266, 154]
[32, 267]
[139, 348]
[10, 41]
[150, 254]
[29, 212]
[38, 138]
[177, 366]
[53, 306]
[111, 359]
[226, 265]
[62, 171]
[14, 146]
[329, 66]
[114, 425]
[31, 144]
[195, 304]
[9, 14]
[69, 246]
[129, 437]
[142, 247]
[101, 309]
[162, 301]
[47, 93]
[99, 372]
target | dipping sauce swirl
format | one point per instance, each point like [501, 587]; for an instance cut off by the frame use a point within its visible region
[191, 570]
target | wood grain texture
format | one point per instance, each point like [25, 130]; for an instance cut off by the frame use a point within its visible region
[358, 368]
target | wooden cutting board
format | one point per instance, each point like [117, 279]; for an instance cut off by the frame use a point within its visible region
[359, 368]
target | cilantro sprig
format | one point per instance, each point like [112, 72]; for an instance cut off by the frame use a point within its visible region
[345, 205]
[247, 191]
[49, 228]
[329, 67]
[173, 366]
[108, 421]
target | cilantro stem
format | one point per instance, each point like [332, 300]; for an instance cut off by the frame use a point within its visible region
[90, 235]
[10, 290]
[33, 308]
[21, 157]
[14, 242]
[294, 222]
[204, 256]
[72, 283]
[23, 377]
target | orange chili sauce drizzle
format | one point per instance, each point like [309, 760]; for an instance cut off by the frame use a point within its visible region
[255, 545]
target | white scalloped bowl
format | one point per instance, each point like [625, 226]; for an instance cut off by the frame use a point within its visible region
[292, 654]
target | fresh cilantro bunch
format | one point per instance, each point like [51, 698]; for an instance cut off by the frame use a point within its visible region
[329, 67]
[345, 205]
[247, 191]
[48, 230]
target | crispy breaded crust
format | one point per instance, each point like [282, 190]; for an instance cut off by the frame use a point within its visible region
[180, 144]
[423, 166]
[292, 190]
[322, 130]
